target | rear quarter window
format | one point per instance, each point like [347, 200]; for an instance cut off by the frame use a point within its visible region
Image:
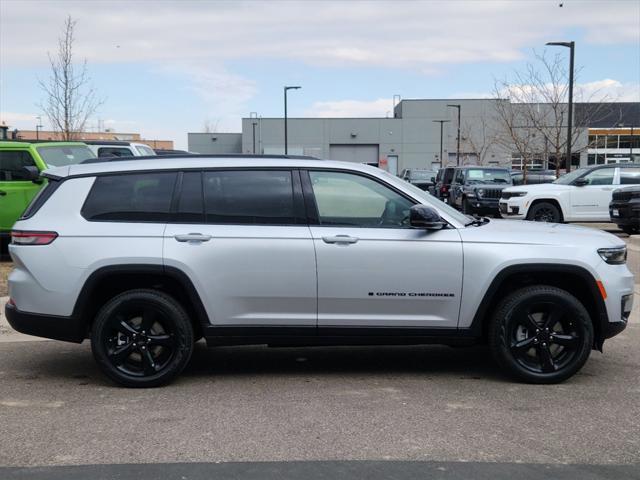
[139, 197]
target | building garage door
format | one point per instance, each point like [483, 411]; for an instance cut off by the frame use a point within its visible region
[354, 153]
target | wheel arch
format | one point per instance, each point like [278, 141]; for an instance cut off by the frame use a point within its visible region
[556, 202]
[573, 278]
[106, 282]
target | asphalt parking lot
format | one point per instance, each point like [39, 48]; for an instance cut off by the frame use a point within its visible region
[384, 412]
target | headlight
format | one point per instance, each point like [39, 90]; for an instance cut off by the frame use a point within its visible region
[613, 256]
[469, 192]
[480, 192]
[517, 194]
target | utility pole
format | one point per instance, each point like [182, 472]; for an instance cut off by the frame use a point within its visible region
[458, 144]
[38, 127]
[441, 122]
[286, 89]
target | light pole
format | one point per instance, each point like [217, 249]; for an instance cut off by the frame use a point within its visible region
[286, 89]
[38, 127]
[571, 46]
[441, 122]
[254, 117]
[458, 144]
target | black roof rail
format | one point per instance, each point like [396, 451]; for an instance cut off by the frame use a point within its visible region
[197, 155]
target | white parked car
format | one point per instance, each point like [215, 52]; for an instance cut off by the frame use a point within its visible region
[119, 149]
[144, 258]
[579, 196]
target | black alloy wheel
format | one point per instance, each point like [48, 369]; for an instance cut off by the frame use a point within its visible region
[544, 212]
[541, 334]
[142, 338]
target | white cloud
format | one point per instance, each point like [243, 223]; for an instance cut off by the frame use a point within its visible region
[609, 90]
[407, 34]
[352, 108]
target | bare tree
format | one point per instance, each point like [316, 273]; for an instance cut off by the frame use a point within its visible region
[210, 126]
[70, 99]
[479, 138]
[539, 94]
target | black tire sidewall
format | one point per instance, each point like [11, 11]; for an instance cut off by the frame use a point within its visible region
[504, 315]
[540, 205]
[173, 312]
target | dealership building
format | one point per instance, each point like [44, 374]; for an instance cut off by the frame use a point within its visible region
[423, 133]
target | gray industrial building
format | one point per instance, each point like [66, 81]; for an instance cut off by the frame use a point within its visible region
[411, 139]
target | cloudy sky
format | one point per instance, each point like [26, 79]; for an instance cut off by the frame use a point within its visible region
[167, 67]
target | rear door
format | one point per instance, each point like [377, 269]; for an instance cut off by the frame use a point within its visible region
[242, 237]
[15, 190]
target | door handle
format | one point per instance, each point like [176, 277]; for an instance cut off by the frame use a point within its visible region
[345, 239]
[192, 237]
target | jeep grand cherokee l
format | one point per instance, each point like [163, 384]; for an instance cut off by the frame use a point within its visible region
[143, 258]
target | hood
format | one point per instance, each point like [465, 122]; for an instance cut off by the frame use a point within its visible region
[538, 233]
[540, 187]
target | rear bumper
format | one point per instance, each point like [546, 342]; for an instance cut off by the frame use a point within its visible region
[68, 329]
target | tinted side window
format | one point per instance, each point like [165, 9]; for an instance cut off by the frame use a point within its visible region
[630, 176]
[11, 164]
[601, 176]
[249, 197]
[448, 175]
[141, 197]
[348, 199]
[190, 205]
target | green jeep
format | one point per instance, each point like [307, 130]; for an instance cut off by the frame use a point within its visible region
[17, 184]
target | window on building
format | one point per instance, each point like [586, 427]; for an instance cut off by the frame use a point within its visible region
[12, 165]
[348, 199]
[612, 141]
[140, 197]
[249, 197]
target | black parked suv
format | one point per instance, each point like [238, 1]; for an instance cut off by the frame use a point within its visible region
[624, 209]
[422, 178]
[478, 189]
[443, 183]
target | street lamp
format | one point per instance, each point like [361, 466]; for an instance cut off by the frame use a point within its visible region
[571, 46]
[286, 89]
[458, 145]
[254, 117]
[441, 122]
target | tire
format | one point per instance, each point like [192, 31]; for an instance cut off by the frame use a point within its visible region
[629, 229]
[123, 347]
[541, 334]
[544, 212]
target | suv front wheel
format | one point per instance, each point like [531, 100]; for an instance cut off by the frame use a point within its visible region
[544, 212]
[541, 334]
[142, 338]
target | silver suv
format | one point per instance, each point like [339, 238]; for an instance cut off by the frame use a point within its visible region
[146, 257]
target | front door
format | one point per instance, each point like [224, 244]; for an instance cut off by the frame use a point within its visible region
[15, 190]
[373, 269]
[244, 243]
[591, 201]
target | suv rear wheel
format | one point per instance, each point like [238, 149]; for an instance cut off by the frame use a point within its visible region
[541, 334]
[142, 338]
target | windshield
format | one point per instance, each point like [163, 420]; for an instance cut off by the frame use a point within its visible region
[488, 176]
[62, 155]
[570, 177]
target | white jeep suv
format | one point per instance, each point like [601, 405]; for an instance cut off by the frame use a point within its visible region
[145, 257]
[579, 196]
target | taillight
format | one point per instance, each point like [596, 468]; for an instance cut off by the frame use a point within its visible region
[444, 189]
[20, 237]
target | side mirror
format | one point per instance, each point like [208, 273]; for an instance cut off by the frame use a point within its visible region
[580, 182]
[433, 179]
[32, 173]
[423, 216]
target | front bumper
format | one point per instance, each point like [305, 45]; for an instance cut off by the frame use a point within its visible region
[68, 329]
[625, 213]
[483, 204]
[513, 208]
